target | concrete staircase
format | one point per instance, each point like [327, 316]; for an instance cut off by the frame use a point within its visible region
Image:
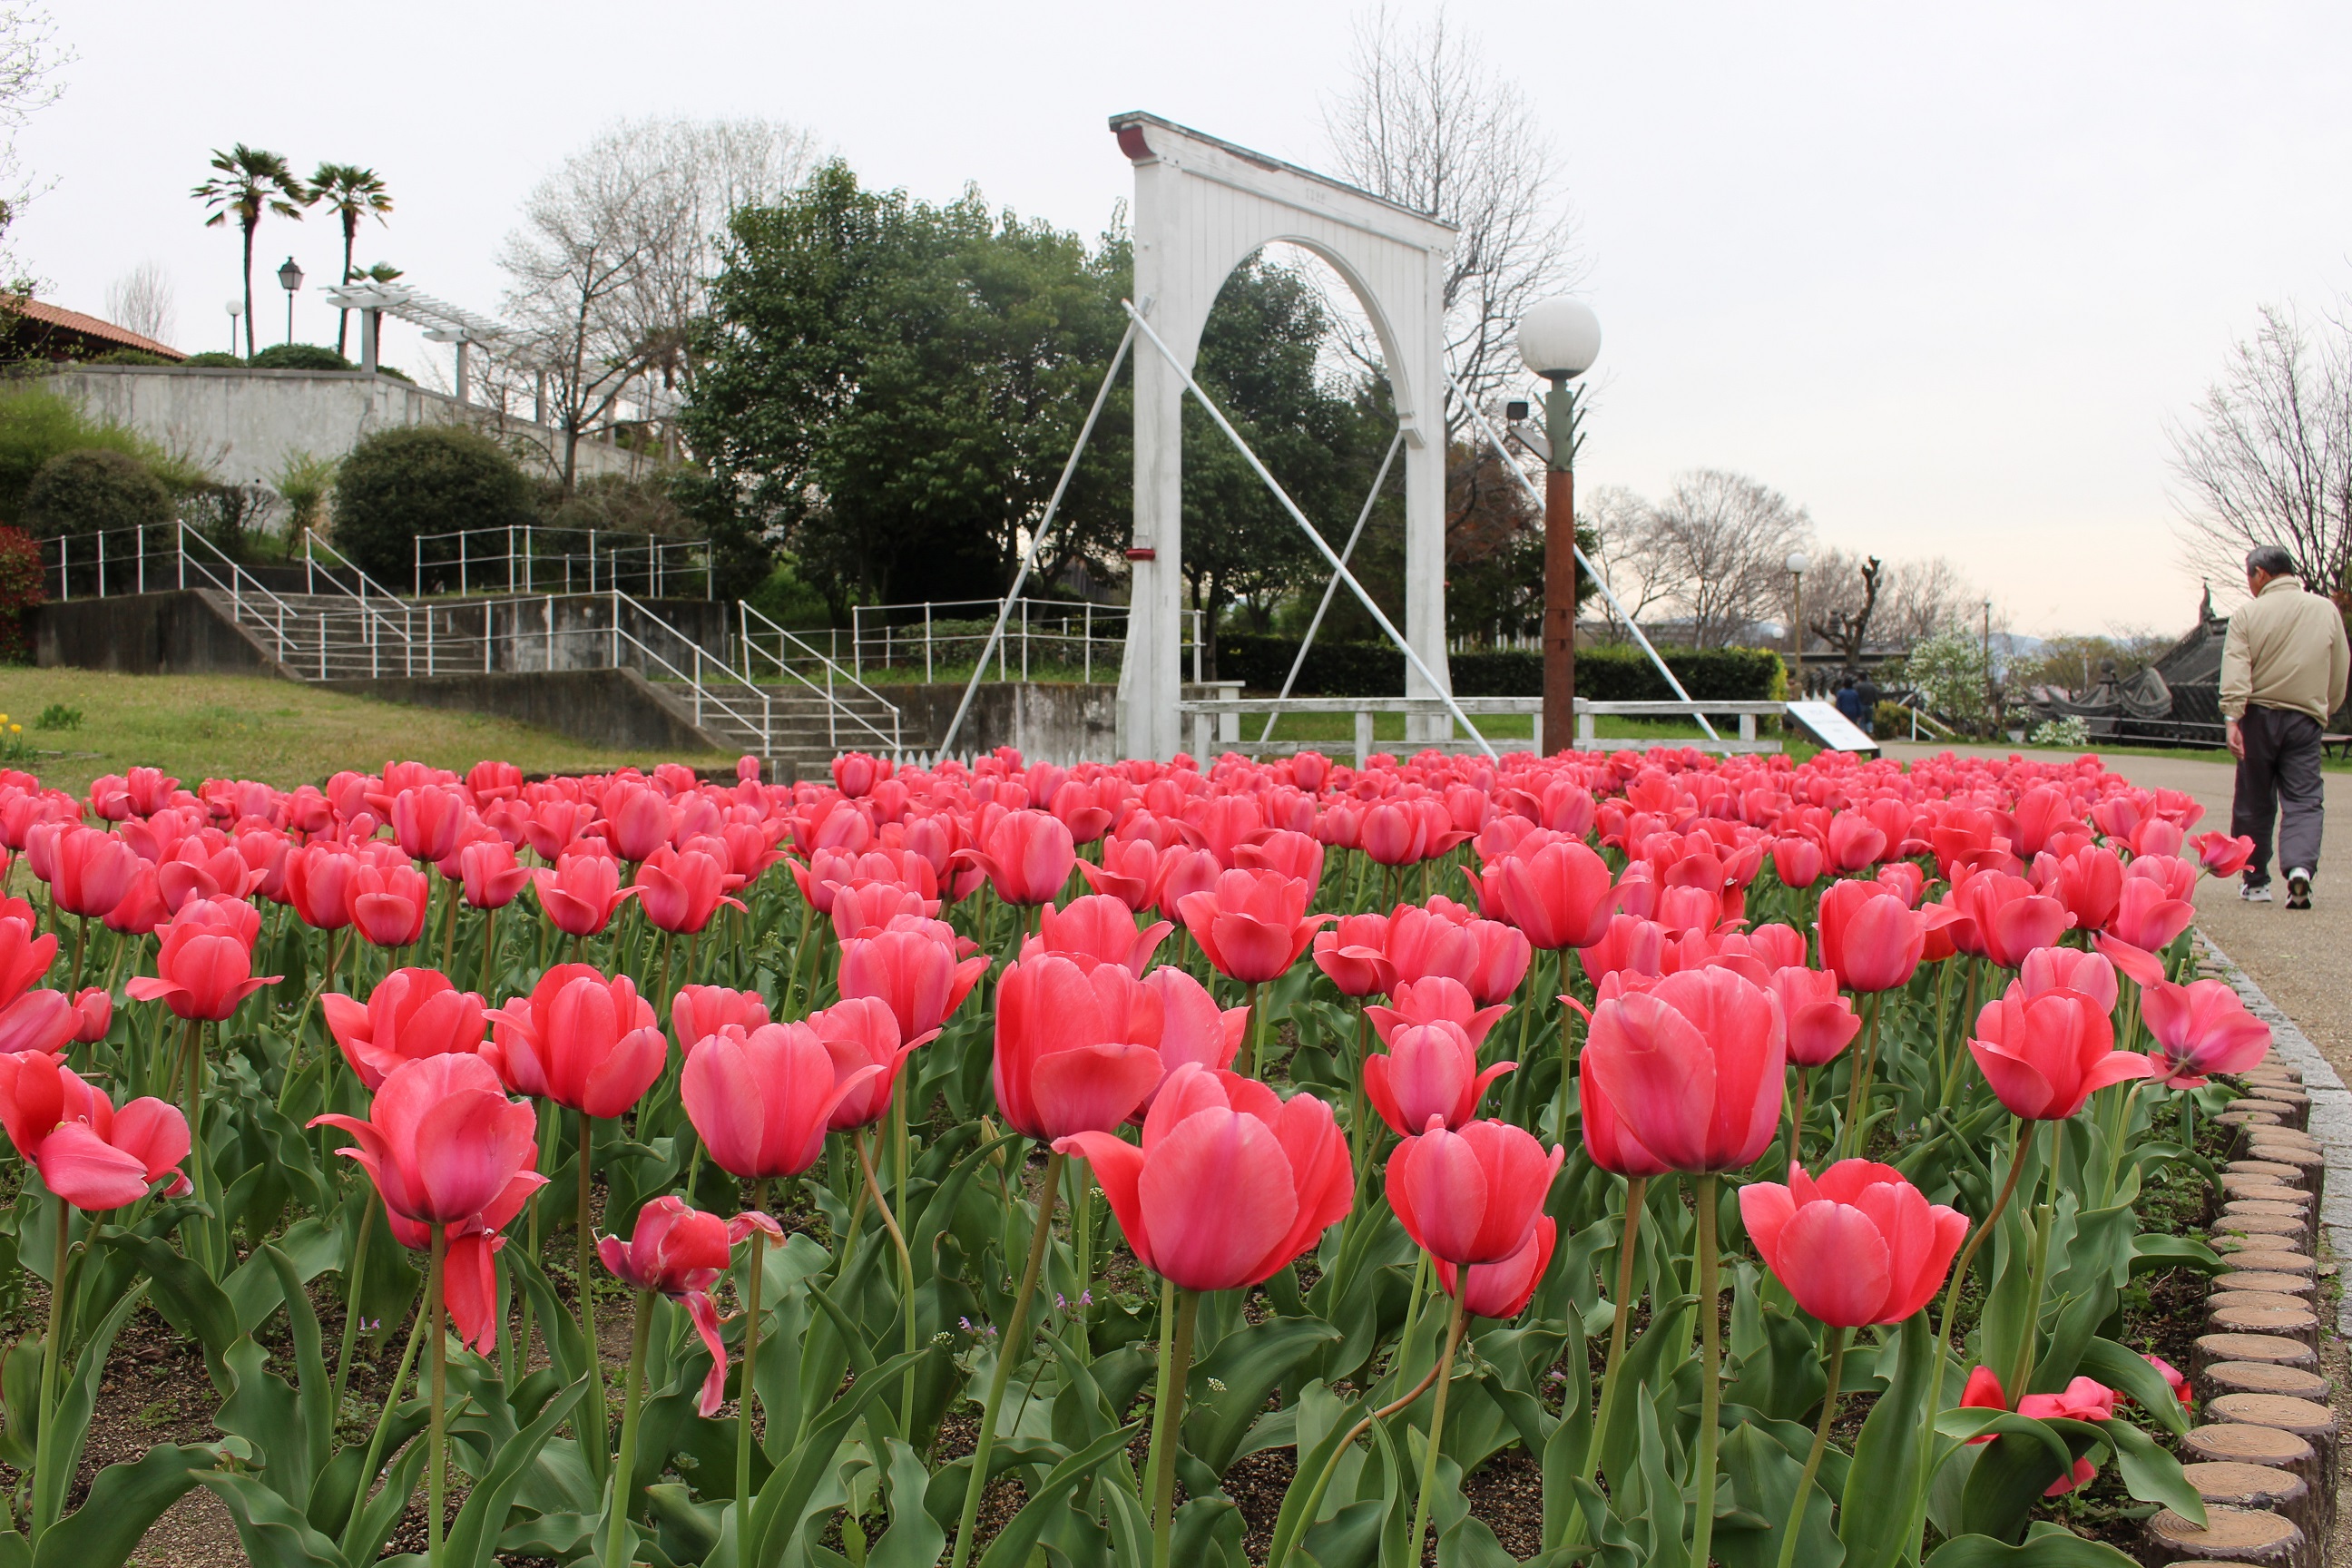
[329, 636]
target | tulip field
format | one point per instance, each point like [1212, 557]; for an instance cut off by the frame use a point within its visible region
[1008, 1165]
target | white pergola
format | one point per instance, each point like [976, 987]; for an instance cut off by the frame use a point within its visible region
[1203, 207]
[443, 324]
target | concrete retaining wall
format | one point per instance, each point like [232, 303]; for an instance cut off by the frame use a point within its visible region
[617, 709]
[244, 424]
[1061, 722]
[144, 633]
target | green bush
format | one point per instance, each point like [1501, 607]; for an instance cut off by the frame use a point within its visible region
[300, 356]
[81, 492]
[22, 586]
[37, 424]
[1617, 674]
[213, 359]
[423, 478]
[129, 356]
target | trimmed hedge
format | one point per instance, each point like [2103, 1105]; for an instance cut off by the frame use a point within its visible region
[1619, 674]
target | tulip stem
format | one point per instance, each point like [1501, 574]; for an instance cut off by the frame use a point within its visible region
[1858, 1099]
[351, 1299]
[758, 1272]
[391, 1403]
[437, 1460]
[1358, 1111]
[1332, 1468]
[1797, 1115]
[1412, 1310]
[48, 1495]
[1710, 1336]
[1459, 1321]
[1637, 1190]
[592, 1445]
[81, 940]
[2045, 1221]
[617, 1555]
[547, 1122]
[1179, 1310]
[482, 978]
[1016, 1334]
[1083, 1200]
[1257, 1031]
[906, 1281]
[1813, 1455]
[1567, 1065]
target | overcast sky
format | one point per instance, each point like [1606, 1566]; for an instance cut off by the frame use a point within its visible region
[1943, 276]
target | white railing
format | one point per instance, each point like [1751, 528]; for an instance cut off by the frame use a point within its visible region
[1217, 726]
[837, 710]
[528, 559]
[1039, 631]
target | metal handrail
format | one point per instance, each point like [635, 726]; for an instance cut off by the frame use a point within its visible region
[234, 587]
[834, 707]
[764, 727]
[370, 617]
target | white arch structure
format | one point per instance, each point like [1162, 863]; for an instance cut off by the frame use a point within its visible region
[1201, 208]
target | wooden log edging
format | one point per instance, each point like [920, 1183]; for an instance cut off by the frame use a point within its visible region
[2267, 1457]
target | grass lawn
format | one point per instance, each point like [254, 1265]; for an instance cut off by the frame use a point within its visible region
[227, 726]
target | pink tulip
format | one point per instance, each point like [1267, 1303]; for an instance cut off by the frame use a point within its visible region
[1859, 1246]
[1628, 944]
[2199, 1028]
[1293, 853]
[24, 958]
[1353, 955]
[444, 1146]
[412, 1014]
[1129, 871]
[1434, 1000]
[1472, 1197]
[88, 1153]
[1606, 1140]
[579, 1039]
[763, 1099]
[1854, 841]
[202, 971]
[1870, 939]
[93, 1013]
[388, 903]
[1796, 862]
[680, 891]
[698, 1012]
[1231, 1183]
[2148, 915]
[1560, 895]
[1429, 1073]
[1097, 928]
[861, 1033]
[2011, 919]
[1502, 956]
[39, 1021]
[1027, 855]
[915, 972]
[1252, 925]
[318, 884]
[2045, 1055]
[638, 820]
[1692, 1067]
[430, 824]
[488, 872]
[680, 1252]
[580, 895]
[1188, 1025]
[94, 871]
[2069, 969]
[2087, 880]
[2221, 855]
[1503, 1290]
[1822, 1021]
[1067, 1059]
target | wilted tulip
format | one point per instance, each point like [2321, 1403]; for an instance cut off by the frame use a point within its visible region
[2199, 1028]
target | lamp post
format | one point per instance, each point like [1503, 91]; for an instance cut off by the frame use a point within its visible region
[1796, 563]
[1558, 340]
[235, 310]
[1992, 706]
[290, 277]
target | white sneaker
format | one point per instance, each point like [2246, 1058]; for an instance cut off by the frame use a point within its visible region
[2298, 890]
[2255, 892]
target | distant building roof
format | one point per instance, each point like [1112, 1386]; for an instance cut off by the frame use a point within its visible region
[51, 332]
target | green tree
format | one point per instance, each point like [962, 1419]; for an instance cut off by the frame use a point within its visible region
[892, 388]
[251, 181]
[84, 491]
[423, 478]
[351, 193]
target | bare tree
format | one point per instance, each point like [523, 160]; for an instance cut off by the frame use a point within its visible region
[2267, 456]
[29, 60]
[141, 299]
[1642, 578]
[1721, 542]
[1427, 122]
[1901, 602]
[612, 264]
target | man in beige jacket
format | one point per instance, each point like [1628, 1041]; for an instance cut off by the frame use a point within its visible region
[2282, 672]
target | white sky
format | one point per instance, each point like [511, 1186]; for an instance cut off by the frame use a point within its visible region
[1942, 276]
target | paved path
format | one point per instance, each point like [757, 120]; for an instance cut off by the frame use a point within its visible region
[2301, 959]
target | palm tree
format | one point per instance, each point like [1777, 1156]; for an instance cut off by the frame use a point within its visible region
[249, 183]
[351, 193]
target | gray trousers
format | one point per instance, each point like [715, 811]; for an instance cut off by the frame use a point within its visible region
[2279, 779]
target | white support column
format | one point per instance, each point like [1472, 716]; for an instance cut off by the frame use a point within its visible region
[1150, 679]
[1424, 578]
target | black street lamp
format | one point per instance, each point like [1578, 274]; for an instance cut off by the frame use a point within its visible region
[290, 277]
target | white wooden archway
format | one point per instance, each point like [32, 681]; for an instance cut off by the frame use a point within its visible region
[1201, 208]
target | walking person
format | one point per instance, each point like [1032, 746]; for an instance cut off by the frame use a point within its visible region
[2284, 666]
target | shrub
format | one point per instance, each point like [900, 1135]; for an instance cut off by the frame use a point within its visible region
[300, 356]
[213, 359]
[21, 588]
[227, 514]
[57, 716]
[37, 424]
[423, 478]
[129, 356]
[2070, 733]
[1616, 674]
[304, 481]
[80, 492]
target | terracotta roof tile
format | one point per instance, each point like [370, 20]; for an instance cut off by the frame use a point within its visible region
[88, 326]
